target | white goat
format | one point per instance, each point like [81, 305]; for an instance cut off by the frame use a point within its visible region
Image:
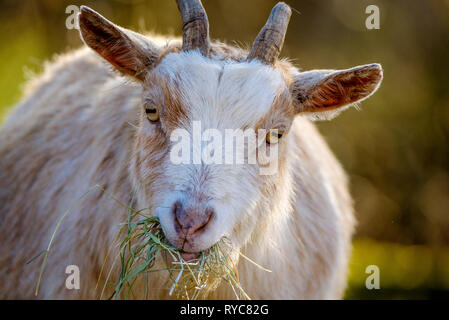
[80, 125]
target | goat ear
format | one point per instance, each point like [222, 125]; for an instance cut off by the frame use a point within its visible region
[129, 52]
[323, 94]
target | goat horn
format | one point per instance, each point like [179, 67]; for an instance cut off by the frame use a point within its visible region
[268, 43]
[195, 26]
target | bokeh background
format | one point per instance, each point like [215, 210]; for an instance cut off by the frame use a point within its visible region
[396, 149]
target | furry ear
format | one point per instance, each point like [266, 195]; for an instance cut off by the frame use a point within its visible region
[129, 52]
[323, 94]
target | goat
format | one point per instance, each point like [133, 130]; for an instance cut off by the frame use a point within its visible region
[80, 125]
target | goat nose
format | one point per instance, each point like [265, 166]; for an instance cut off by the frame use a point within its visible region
[190, 221]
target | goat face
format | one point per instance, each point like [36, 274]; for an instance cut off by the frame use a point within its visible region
[199, 202]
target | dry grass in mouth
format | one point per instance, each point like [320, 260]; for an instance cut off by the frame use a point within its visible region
[143, 246]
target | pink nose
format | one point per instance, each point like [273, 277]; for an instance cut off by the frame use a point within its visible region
[190, 221]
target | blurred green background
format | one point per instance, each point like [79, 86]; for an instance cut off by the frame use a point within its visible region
[396, 149]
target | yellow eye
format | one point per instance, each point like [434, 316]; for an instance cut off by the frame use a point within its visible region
[152, 113]
[273, 136]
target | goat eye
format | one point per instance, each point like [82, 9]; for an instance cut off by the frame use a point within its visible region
[273, 136]
[152, 113]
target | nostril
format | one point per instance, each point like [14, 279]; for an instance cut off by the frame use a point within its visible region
[209, 214]
[177, 212]
[177, 208]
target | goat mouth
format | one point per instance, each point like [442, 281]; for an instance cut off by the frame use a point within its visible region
[188, 256]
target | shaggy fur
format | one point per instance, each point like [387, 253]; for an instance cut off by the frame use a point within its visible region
[79, 124]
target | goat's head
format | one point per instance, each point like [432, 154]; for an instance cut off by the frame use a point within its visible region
[218, 88]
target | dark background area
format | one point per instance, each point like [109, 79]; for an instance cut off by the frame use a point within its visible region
[395, 150]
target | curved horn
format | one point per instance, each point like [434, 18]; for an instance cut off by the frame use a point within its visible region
[268, 43]
[195, 26]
